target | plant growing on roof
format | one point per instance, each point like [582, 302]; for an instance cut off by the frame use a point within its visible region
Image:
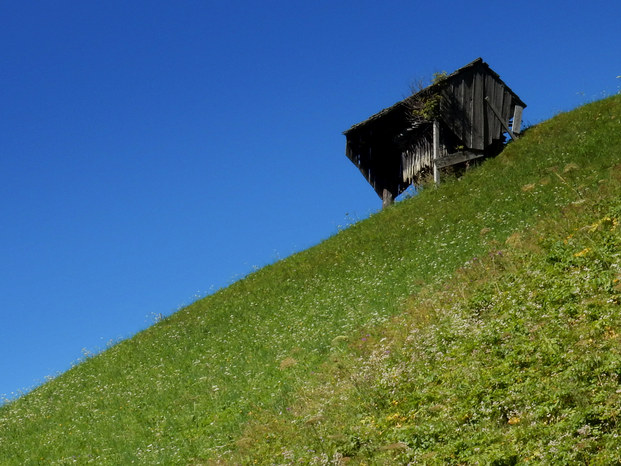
[424, 103]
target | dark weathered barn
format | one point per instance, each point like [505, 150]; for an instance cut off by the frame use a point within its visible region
[461, 117]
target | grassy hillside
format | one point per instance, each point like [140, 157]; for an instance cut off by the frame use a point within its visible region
[474, 321]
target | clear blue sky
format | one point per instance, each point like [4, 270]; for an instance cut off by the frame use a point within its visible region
[152, 152]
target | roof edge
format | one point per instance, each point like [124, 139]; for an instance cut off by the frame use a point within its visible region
[475, 62]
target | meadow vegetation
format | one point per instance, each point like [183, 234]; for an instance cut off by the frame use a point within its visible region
[476, 322]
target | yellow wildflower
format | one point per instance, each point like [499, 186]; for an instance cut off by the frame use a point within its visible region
[584, 252]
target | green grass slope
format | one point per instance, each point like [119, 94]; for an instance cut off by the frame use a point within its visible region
[474, 322]
[515, 359]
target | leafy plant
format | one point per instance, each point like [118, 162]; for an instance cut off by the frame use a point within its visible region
[425, 102]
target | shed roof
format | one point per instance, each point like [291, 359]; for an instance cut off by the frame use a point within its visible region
[429, 89]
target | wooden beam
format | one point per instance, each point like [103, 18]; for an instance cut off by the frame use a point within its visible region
[458, 157]
[502, 122]
[436, 151]
[387, 198]
[517, 119]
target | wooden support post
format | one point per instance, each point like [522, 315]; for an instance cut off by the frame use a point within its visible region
[504, 124]
[436, 151]
[517, 119]
[387, 198]
[458, 157]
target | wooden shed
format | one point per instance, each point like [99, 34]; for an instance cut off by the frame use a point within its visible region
[461, 117]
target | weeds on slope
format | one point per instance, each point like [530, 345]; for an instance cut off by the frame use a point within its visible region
[517, 359]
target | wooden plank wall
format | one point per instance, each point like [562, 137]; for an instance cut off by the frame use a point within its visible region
[466, 113]
[495, 93]
[461, 108]
[478, 112]
[418, 157]
[374, 151]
